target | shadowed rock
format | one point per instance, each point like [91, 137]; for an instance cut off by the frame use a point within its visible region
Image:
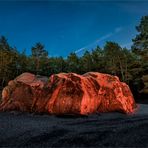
[67, 93]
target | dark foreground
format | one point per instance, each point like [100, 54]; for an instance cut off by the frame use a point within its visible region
[102, 130]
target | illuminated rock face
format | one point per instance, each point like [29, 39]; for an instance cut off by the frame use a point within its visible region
[68, 93]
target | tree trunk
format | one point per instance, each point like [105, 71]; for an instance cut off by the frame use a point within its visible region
[121, 69]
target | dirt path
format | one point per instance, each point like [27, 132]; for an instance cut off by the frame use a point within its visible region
[103, 130]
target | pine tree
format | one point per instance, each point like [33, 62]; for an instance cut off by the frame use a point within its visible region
[38, 54]
[140, 44]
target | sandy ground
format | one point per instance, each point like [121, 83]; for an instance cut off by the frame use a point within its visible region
[99, 130]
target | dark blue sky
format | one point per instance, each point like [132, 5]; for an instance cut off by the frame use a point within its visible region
[65, 27]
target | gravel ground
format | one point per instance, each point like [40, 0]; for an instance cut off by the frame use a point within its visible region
[99, 130]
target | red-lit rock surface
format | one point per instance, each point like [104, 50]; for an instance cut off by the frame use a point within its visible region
[68, 93]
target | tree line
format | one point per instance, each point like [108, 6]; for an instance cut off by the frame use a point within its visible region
[128, 64]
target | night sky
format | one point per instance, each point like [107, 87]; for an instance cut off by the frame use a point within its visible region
[70, 26]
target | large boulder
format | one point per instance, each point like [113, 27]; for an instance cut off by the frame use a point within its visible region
[67, 93]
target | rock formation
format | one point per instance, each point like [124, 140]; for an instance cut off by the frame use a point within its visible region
[67, 93]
